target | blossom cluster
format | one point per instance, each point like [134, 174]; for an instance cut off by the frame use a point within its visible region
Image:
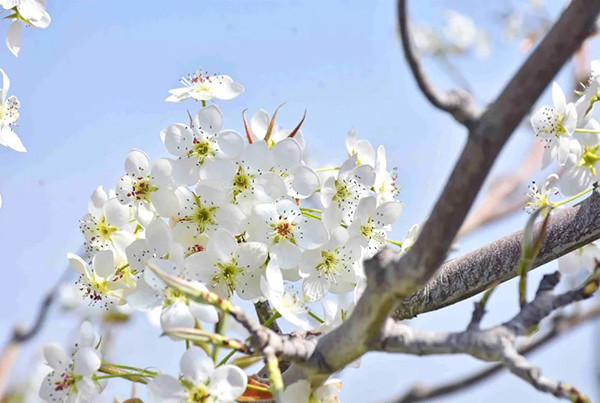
[571, 137]
[241, 216]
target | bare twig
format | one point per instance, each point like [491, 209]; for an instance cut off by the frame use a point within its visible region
[562, 325]
[457, 102]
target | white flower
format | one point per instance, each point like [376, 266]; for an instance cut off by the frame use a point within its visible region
[584, 105]
[198, 144]
[581, 258]
[97, 283]
[147, 189]
[331, 268]
[362, 148]
[540, 197]
[290, 305]
[461, 30]
[410, 238]
[71, 378]
[9, 113]
[226, 266]
[286, 231]
[177, 309]
[202, 87]
[203, 212]
[30, 12]
[200, 381]
[301, 392]
[426, 40]
[371, 223]
[386, 184]
[107, 224]
[583, 164]
[340, 196]
[556, 125]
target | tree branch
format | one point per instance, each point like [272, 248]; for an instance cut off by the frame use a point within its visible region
[457, 102]
[468, 275]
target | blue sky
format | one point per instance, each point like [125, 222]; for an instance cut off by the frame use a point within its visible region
[92, 86]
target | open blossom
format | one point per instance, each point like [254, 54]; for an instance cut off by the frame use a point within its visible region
[286, 231]
[226, 266]
[200, 143]
[556, 125]
[200, 381]
[107, 224]
[176, 309]
[203, 87]
[30, 12]
[259, 127]
[330, 268]
[362, 148]
[540, 197]
[9, 113]
[97, 282]
[71, 377]
[386, 184]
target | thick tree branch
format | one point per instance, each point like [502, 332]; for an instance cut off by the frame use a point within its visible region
[457, 102]
[463, 277]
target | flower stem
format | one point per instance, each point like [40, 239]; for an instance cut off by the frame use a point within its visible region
[397, 243]
[129, 368]
[272, 319]
[257, 387]
[316, 317]
[587, 131]
[304, 213]
[311, 210]
[226, 358]
[578, 195]
[327, 169]
[203, 103]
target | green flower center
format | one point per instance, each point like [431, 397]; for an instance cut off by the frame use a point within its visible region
[227, 273]
[202, 149]
[366, 229]
[104, 230]
[172, 295]
[329, 263]
[241, 182]
[341, 192]
[141, 189]
[589, 158]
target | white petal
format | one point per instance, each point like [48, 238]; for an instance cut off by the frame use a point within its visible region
[225, 88]
[5, 86]
[209, 119]
[158, 235]
[56, 357]
[104, 263]
[165, 201]
[195, 366]
[96, 203]
[203, 312]
[251, 255]
[230, 143]
[176, 315]
[388, 213]
[116, 213]
[222, 245]
[288, 255]
[287, 153]
[228, 382]
[13, 37]
[314, 234]
[9, 138]
[166, 389]
[259, 124]
[86, 361]
[558, 98]
[315, 287]
[162, 172]
[78, 264]
[145, 297]
[137, 164]
[305, 182]
[176, 138]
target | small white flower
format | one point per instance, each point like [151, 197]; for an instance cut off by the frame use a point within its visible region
[9, 113]
[259, 126]
[97, 283]
[556, 125]
[71, 377]
[200, 381]
[461, 30]
[301, 392]
[581, 258]
[583, 164]
[202, 87]
[107, 224]
[286, 231]
[540, 197]
[362, 148]
[330, 268]
[386, 183]
[177, 310]
[226, 266]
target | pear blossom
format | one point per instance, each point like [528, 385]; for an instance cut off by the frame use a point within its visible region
[386, 184]
[584, 105]
[372, 222]
[330, 268]
[97, 282]
[410, 238]
[226, 266]
[340, 196]
[30, 12]
[290, 305]
[176, 309]
[540, 197]
[198, 144]
[107, 225]
[301, 392]
[582, 167]
[71, 377]
[9, 113]
[286, 231]
[585, 257]
[148, 189]
[200, 381]
[203, 87]
[362, 148]
[555, 125]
